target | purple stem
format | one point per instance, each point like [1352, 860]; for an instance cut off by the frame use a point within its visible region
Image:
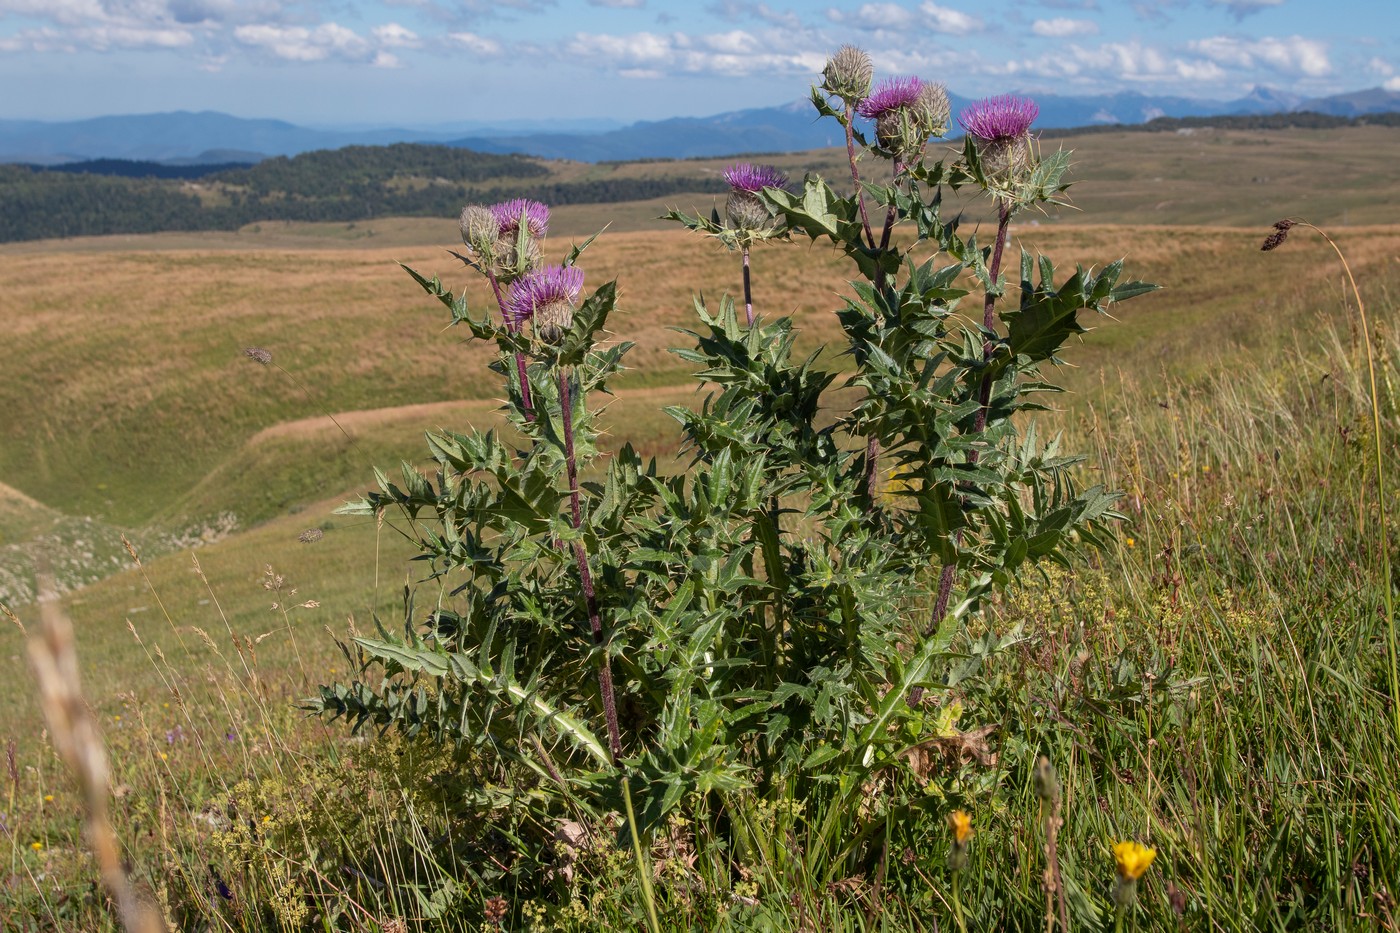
[595, 622]
[855, 173]
[748, 288]
[514, 327]
[984, 395]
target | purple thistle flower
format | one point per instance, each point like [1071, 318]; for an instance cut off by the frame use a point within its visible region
[752, 179]
[509, 213]
[544, 290]
[1005, 116]
[892, 94]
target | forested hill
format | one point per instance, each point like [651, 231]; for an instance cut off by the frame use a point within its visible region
[351, 184]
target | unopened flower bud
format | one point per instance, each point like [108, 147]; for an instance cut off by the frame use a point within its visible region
[848, 74]
[932, 109]
[480, 229]
[510, 262]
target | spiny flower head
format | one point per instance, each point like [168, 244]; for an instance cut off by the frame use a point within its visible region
[1133, 859]
[744, 207]
[1005, 116]
[510, 213]
[848, 74]
[892, 94]
[751, 178]
[546, 296]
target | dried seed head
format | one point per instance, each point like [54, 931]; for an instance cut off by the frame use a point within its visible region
[311, 535]
[258, 355]
[1275, 239]
[848, 74]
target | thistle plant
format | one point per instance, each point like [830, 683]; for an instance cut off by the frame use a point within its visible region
[732, 665]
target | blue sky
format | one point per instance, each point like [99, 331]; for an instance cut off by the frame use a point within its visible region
[418, 62]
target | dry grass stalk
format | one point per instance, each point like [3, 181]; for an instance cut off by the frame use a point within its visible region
[78, 741]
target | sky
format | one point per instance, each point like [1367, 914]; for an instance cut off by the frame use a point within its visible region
[429, 62]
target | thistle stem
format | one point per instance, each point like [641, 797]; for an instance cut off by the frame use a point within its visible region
[855, 174]
[989, 305]
[595, 622]
[984, 394]
[514, 328]
[748, 288]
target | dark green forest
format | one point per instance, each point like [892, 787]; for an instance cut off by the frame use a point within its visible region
[360, 183]
[342, 185]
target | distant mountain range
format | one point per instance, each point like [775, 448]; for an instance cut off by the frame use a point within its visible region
[183, 138]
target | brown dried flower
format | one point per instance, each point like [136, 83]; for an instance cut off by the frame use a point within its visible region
[1275, 239]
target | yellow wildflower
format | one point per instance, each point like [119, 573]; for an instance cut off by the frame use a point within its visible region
[1130, 542]
[48, 798]
[961, 824]
[1133, 859]
[36, 846]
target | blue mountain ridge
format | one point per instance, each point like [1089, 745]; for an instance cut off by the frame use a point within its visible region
[183, 137]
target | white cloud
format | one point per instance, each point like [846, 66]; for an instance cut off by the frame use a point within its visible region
[619, 4]
[1293, 55]
[99, 38]
[395, 36]
[1392, 84]
[732, 53]
[1062, 26]
[300, 44]
[1114, 63]
[1239, 9]
[1379, 66]
[950, 21]
[885, 18]
[874, 17]
[477, 45]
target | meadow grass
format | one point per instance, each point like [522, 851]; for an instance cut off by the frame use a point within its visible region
[1215, 687]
